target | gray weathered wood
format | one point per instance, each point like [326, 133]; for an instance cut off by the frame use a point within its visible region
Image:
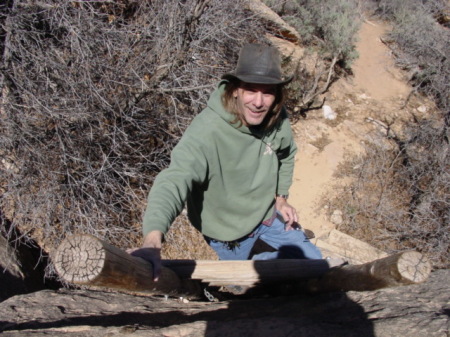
[251, 272]
[400, 269]
[86, 260]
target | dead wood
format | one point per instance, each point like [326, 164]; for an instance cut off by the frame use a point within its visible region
[400, 269]
[86, 260]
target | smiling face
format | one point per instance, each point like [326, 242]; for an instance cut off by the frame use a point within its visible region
[254, 102]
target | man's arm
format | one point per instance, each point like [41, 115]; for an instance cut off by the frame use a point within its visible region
[172, 186]
[286, 156]
[168, 194]
[285, 174]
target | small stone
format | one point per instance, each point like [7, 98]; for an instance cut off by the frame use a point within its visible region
[337, 218]
[328, 112]
[363, 96]
[422, 109]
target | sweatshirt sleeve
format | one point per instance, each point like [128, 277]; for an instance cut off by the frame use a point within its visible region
[286, 157]
[171, 187]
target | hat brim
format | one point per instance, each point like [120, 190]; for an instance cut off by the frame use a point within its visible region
[258, 79]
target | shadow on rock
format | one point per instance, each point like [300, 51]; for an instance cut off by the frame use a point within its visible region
[91, 312]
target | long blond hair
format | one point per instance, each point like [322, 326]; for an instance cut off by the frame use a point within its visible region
[230, 104]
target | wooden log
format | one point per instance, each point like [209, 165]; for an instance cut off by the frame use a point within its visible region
[400, 269]
[250, 272]
[86, 260]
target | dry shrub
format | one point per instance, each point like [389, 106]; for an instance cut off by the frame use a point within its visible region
[329, 29]
[421, 45]
[332, 26]
[94, 95]
[400, 195]
[184, 241]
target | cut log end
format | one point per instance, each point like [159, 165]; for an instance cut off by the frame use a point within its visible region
[87, 260]
[414, 267]
[79, 259]
[399, 269]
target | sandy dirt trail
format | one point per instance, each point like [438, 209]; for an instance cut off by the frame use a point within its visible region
[376, 78]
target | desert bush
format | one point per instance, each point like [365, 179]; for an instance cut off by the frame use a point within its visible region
[329, 30]
[400, 198]
[94, 97]
[192, 245]
[421, 45]
[400, 195]
[329, 25]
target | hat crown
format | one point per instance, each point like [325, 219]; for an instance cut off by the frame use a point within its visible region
[259, 60]
[259, 64]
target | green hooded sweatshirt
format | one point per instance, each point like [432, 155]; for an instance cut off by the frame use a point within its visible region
[226, 174]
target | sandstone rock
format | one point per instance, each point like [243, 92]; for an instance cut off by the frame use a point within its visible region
[417, 310]
[277, 24]
[337, 217]
[340, 245]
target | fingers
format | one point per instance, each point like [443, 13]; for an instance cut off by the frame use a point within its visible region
[290, 216]
[156, 270]
[152, 249]
[289, 227]
[287, 211]
[152, 255]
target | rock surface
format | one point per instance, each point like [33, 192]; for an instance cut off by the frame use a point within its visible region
[416, 310]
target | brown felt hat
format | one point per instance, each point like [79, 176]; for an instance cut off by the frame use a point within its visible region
[259, 64]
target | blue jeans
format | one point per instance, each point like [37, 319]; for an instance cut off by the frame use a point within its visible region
[291, 244]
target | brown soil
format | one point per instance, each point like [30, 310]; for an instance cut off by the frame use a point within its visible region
[376, 89]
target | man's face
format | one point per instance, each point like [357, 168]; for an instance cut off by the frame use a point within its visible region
[254, 102]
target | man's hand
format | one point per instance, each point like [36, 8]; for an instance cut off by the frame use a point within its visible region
[287, 211]
[150, 251]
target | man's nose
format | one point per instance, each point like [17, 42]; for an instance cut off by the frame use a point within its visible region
[258, 99]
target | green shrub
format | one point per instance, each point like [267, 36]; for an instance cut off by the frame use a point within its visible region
[330, 25]
[328, 30]
[421, 45]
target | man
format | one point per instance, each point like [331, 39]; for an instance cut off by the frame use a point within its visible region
[233, 168]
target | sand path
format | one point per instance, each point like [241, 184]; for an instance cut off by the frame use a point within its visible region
[376, 78]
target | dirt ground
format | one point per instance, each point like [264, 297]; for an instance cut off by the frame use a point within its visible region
[376, 87]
